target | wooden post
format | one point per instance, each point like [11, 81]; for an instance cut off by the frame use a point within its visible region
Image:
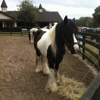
[93, 90]
[83, 50]
[10, 33]
[21, 32]
[99, 57]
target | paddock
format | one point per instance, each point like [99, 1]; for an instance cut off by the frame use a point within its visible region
[18, 81]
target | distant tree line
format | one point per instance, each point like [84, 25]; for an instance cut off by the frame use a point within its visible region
[85, 21]
[96, 16]
[90, 21]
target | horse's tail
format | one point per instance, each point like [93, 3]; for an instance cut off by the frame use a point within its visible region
[29, 36]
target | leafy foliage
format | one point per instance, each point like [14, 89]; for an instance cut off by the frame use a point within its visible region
[27, 12]
[96, 16]
[85, 21]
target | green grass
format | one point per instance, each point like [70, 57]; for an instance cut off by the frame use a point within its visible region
[94, 50]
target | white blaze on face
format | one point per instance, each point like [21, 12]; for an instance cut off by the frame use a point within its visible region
[76, 46]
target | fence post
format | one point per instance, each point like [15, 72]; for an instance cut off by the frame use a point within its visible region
[83, 50]
[21, 32]
[10, 33]
[90, 93]
[99, 56]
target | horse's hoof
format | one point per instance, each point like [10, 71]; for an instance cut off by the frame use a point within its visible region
[58, 81]
[51, 90]
[31, 41]
[47, 90]
[46, 72]
[38, 70]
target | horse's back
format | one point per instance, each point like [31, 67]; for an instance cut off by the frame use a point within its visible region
[33, 29]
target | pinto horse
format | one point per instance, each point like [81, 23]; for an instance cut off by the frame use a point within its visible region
[30, 35]
[32, 31]
[50, 48]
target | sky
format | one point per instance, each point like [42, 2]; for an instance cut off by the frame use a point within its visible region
[71, 8]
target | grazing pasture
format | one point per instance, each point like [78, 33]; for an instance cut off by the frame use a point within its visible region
[18, 80]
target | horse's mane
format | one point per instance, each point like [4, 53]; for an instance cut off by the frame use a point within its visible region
[74, 25]
[52, 34]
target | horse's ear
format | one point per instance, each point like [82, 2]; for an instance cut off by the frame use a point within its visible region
[74, 19]
[65, 19]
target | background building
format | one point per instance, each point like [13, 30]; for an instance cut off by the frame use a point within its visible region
[44, 18]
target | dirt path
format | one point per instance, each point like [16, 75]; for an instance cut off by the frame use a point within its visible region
[18, 81]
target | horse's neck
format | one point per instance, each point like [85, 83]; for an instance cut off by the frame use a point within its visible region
[55, 35]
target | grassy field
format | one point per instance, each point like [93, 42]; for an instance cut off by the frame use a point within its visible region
[94, 50]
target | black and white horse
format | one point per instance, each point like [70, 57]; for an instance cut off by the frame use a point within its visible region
[32, 31]
[50, 48]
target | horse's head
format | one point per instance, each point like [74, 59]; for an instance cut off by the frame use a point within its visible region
[68, 33]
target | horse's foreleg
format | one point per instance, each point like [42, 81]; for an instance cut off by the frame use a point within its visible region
[58, 78]
[51, 85]
[38, 64]
[31, 36]
[45, 67]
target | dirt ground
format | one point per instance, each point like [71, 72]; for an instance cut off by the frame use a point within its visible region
[18, 81]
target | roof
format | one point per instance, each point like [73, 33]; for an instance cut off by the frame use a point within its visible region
[11, 14]
[4, 4]
[41, 16]
[48, 17]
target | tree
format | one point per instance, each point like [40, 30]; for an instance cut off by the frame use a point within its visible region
[27, 12]
[96, 16]
[85, 21]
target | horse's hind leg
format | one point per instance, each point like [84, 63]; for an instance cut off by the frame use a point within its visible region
[31, 37]
[38, 64]
[45, 67]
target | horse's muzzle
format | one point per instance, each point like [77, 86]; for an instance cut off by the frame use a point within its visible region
[76, 47]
